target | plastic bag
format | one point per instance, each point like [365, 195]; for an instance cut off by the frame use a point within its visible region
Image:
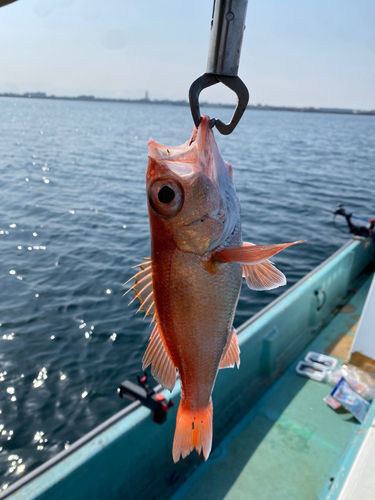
[361, 381]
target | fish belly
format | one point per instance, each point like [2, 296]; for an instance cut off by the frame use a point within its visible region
[195, 311]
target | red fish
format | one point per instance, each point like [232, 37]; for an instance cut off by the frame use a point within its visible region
[191, 284]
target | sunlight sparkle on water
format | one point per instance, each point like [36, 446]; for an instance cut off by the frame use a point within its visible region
[20, 469]
[42, 376]
[8, 337]
[38, 437]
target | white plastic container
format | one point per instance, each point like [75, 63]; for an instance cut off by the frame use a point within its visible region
[307, 369]
[321, 360]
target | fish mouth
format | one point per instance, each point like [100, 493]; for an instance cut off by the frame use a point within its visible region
[194, 156]
[201, 134]
[204, 141]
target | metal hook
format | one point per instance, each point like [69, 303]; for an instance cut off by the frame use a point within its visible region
[232, 82]
[227, 27]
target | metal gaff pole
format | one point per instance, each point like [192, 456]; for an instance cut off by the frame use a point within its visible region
[227, 27]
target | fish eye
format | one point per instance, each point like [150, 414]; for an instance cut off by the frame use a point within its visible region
[166, 197]
[166, 194]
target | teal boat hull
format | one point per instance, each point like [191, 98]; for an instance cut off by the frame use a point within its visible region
[129, 456]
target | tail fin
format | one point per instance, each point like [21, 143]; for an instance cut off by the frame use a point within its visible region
[193, 430]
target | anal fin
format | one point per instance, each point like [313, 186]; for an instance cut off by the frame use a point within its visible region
[231, 354]
[162, 368]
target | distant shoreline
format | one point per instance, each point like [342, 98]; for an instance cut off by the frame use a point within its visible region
[43, 95]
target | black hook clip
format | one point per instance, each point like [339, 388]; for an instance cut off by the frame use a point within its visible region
[232, 82]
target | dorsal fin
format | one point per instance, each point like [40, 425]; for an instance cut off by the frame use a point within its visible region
[156, 355]
[143, 288]
[231, 354]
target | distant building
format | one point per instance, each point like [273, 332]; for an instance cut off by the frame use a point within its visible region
[35, 95]
[146, 98]
[85, 97]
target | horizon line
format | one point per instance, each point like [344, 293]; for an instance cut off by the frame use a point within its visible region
[184, 102]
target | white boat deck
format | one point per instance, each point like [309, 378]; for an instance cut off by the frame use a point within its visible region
[360, 483]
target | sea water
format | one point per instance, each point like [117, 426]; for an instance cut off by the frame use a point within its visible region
[73, 222]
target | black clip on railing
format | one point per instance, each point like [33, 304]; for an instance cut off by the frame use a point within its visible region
[227, 27]
[155, 401]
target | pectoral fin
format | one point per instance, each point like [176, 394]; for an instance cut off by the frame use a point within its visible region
[231, 354]
[259, 272]
[251, 254]
[263, 276]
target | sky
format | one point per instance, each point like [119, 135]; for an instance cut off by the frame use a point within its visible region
[317, 53]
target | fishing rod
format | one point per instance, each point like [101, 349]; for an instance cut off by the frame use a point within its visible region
[360, 230]
[366, 230]
[227, 27]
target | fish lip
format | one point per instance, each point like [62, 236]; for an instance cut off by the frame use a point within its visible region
[200, 134]
[195, 156]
